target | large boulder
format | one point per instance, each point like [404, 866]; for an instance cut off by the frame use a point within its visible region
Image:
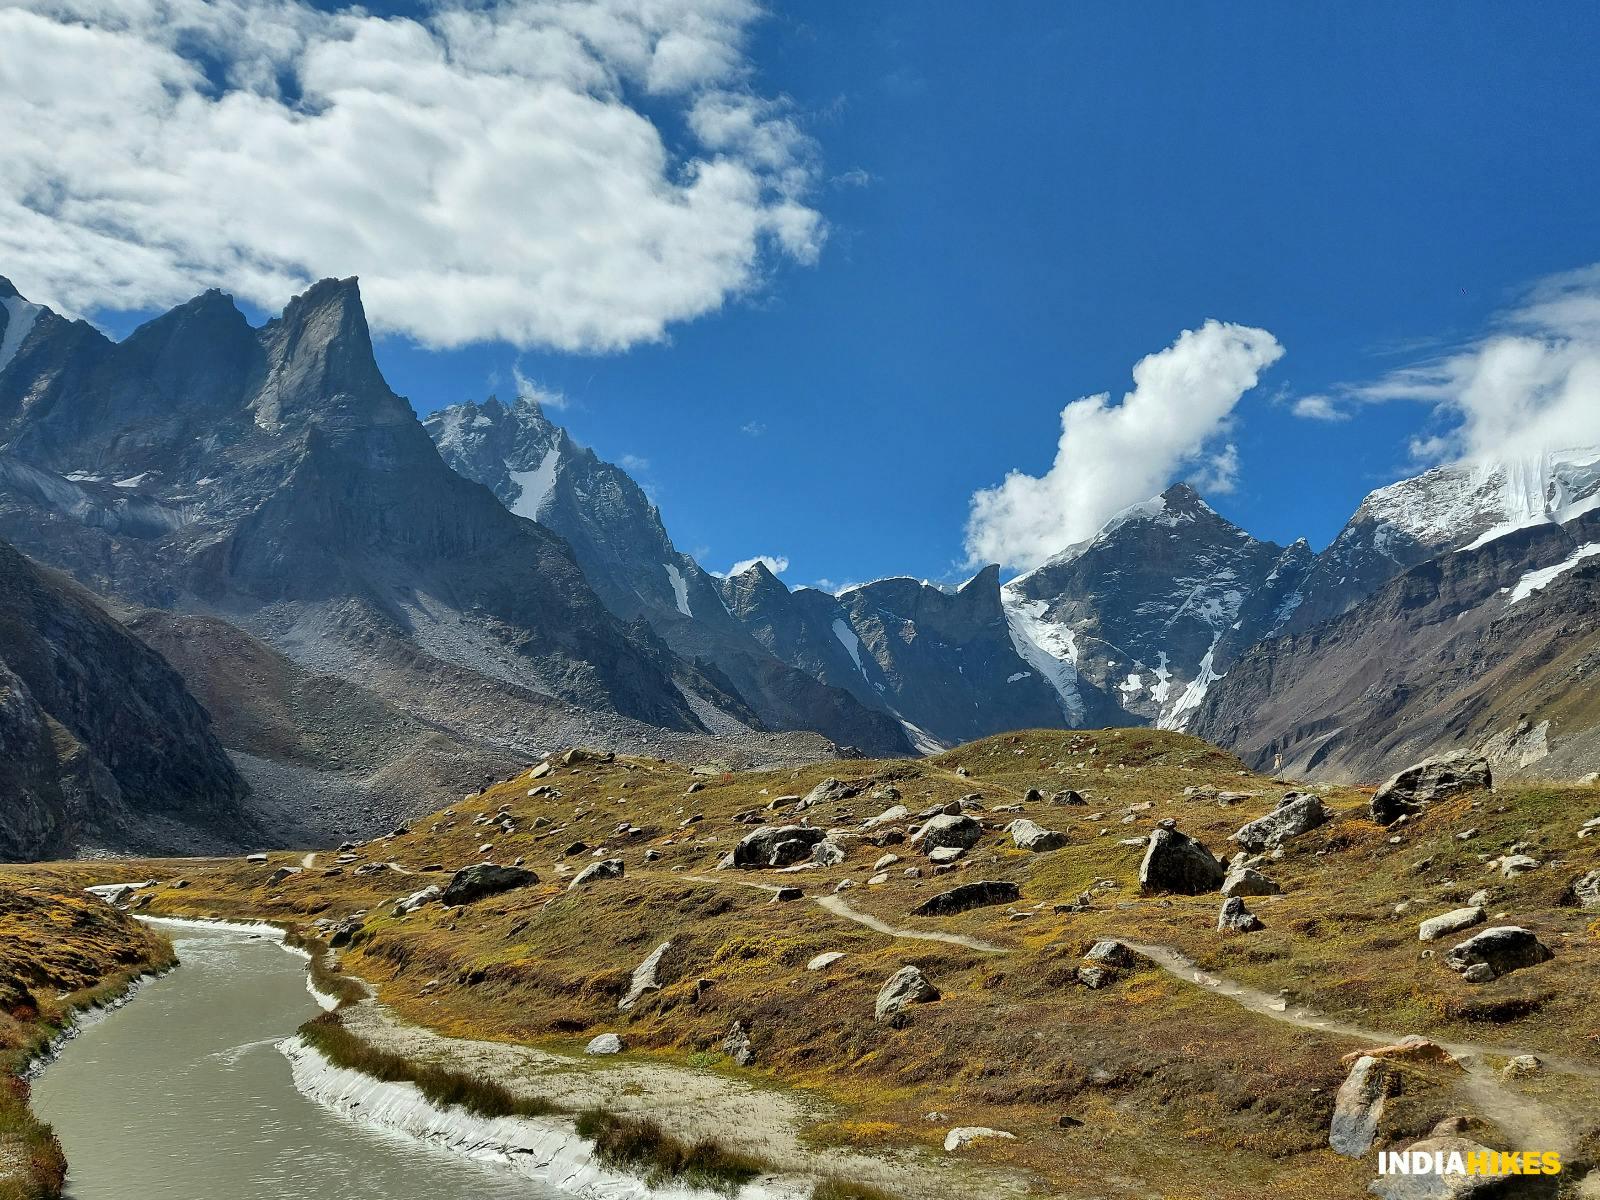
[1175, 862]
[609, 868]
[1027, 835]
[1297, 813]
[958, 831]
[967, 896]
[1358, 1106]
[906, 986]
[1435, 778]
[1495, 952]
[775, 845]
[485, 879]
[646, 977]
[1585, 890]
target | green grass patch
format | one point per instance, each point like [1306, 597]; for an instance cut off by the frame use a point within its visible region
[640, 1146]
[843, 1189]
[324, 978]
[450, 1089]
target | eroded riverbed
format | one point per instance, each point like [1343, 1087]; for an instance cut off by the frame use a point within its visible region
[183, 1095]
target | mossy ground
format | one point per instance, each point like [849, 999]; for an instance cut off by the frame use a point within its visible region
[1176, 1088]
[61, 952]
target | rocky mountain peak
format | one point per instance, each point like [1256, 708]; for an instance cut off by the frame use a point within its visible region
[321, 365]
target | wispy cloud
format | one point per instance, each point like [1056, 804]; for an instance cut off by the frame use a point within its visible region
[753, 428]
[1319, 408]
[1112, 455]
[492, 169]
[532, 389]
[1530, 383]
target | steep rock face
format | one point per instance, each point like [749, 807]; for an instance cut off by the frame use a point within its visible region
[1502, 635]
[1154, 608]
[537, 471]
[270, 475]
[100, 742]
[943, 663]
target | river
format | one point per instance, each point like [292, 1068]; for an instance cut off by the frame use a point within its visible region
[182, 1094]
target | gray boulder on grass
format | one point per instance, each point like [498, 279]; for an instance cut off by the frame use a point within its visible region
[1358, 1107]
[967, 896]
[1297, 813]
[610, 868]
[1247, 881]
[1236, 918]
[906, 986]
[1027, 835]
[957, 831]
[760, 847]
[1413, 789]
[646, 977]
[485, 879]
[1453, 921]
[1495, 952]
[1175, 862]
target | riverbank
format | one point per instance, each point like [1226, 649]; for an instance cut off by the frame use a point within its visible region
[64, 959]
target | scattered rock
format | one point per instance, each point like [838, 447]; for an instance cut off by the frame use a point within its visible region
[1175, 862]
[959, 832]
[761, 847]
[1453, 921]
[606, 1043]
[1358, 1107]
[823, 961]
[1247, 881]
[1235, 917]
[646, 977]
[1523, 1066]
[484, 879]
[1413, 789]
[1513, 865]
[887, 861]
[1584, 891]
[256, 859]
[737, 1045]
[961, 1138]
[888, 816]
[283, 873]
[785, 894]
[945, 855]
[968, 896]
[827, 853]
[1431, 1185]
[416, 900]
[1068, 796]
[610, 868]
[828, 791]
[1495, 952]
[1027, 835]
[1297, 813]
[1110, 953]
[905, 986]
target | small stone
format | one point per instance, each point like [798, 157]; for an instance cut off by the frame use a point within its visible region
[606, 1043]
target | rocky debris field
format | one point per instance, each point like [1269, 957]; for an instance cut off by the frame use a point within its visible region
[1107, 963]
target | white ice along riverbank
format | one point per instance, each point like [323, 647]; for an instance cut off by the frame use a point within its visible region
[545, 1149]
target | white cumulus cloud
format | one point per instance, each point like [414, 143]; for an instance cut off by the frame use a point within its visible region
[572, 174]
[1319, 408]
[1112, 455]
[1531, 384]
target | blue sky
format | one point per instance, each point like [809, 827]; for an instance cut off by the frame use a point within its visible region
[1056, 191]
[1021, 201]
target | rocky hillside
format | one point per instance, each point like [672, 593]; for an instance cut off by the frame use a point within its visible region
[616, 534]
[1496, 643]
[1060, 963]
[101, 744]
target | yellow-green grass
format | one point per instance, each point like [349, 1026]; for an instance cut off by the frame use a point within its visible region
[1171, 1083]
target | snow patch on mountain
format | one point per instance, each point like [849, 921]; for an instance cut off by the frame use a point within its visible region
[20, 316]
[680, 586]
[1049, 647]
[852, 644]
[534, 487]
[1189, 702]
[1467, 505]
[1537, 581]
